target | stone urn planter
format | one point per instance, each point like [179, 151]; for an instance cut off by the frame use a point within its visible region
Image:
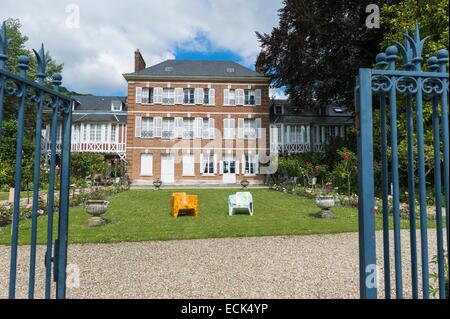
[157, 183]
[325, 203]
[245, 183]
[96, 208]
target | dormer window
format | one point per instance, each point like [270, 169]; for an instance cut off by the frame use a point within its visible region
[230, 70]
[168, 69]
[278, 110]
[116, 106]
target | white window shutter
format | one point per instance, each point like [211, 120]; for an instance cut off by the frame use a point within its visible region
[158, 93]
[237, 167]
[158, 126]
[256, 157]
[198, 96]
[258, 127]
[202, 166]
[138, 95]
[138, 125]
[226, 99]
[145, 95]
[232, 129]
[212, 96]
[215, 163]
[198, 123]
[258, 97]
[221, 167]
[243, 164]
[212, 127]
[178, 127]
[179, 96]
[239, 97]
[241, 128]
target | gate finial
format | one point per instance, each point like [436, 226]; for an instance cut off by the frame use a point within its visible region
[442, 60]
[391, 56]
[417, 45]
[42, 64]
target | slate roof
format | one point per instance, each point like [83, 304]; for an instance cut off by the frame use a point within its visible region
[98, 109]
[197, 68]
[291, 115]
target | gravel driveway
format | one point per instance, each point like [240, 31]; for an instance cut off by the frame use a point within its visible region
[318, 266]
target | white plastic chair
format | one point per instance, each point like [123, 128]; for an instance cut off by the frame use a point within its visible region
[240, 201]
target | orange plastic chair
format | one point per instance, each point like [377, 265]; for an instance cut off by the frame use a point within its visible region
[184, 203]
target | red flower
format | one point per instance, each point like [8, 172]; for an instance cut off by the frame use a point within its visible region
[346, 157]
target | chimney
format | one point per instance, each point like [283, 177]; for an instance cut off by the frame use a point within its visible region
[139, 62]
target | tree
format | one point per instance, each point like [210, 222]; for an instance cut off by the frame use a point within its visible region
[317, 49]
[432, 16]
[8, 156]
[83, 165]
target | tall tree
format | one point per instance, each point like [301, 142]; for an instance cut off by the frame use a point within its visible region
[315, 52]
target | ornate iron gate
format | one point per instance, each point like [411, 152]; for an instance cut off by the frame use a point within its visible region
[42, 99]
[415, 86]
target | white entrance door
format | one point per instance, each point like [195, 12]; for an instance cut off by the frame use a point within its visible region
[167, 168]
[229, 170]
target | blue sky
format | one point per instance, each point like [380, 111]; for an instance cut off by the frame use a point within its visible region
[96, 40]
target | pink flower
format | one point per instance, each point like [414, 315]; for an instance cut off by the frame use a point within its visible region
[327, 190]
[346, 157]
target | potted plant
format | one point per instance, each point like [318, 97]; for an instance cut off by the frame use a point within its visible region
[245, 183]
[325, 201]
[157, 183]
[96, 206]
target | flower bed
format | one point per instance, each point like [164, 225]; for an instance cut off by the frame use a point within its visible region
[78, 198]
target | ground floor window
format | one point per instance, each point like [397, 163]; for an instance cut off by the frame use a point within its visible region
[208, 164]
[146, 165]
[250, 162]
[188, 165]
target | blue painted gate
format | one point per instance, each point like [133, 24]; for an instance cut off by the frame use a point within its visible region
[42, 100]
[384, 88]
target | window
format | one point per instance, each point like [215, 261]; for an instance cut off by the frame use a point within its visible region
[188, 128]
[228, 129]
[278, 110]
[208, 128]
[206, 96]
[113, 133]
[250, 97]
[147, 95]
[147, 128]
[95, 133]
[188, 165]
[208, 164]
[116, 106]
[229, 97]
[250, 128]
[189, 96]
[168, 96]
[84, 137]
[168, 128]
[250, 164]
[146, 164]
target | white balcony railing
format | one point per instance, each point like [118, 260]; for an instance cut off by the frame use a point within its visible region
[92, 147]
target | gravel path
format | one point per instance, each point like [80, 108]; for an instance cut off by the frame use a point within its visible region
[318, 266]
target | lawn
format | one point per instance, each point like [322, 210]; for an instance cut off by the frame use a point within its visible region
[142, 215]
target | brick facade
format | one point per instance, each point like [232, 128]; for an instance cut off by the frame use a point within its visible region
[176, 147]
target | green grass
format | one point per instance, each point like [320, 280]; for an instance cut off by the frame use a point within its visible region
[142, 215]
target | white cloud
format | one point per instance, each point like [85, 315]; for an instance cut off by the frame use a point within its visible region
[96, 54]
